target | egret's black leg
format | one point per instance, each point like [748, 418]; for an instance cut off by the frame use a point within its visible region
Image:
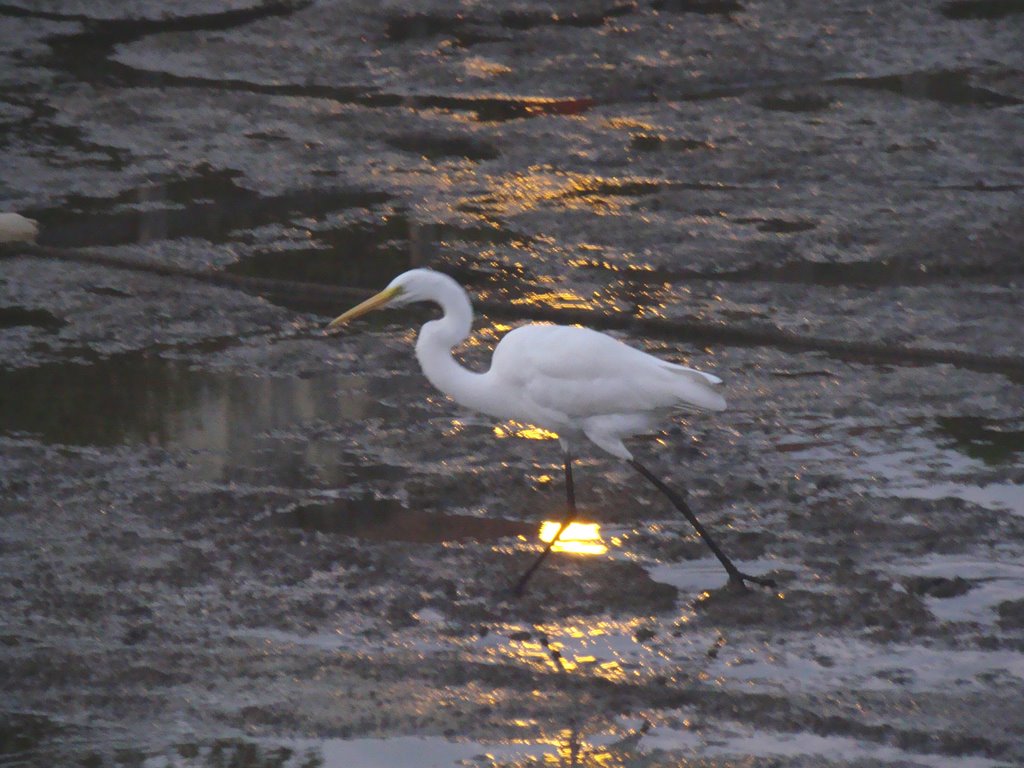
[735, 575]
[570, 515]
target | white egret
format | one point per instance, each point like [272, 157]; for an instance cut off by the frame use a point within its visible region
[575, 382]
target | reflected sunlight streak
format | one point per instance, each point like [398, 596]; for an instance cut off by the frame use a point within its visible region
[523, 431]
[577, 538]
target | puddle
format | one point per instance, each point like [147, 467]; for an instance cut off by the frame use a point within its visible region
[947, 87]
[988, 440]
[780, 226]
[910, 463]
[17, 317]
[435, 147]
[463, 30]
[388, 520]
[208, 205]
[362, 254]
[981, 9]
[705, 7]
[654, 142]
[368, 254]
[222, 419]
[796, 102]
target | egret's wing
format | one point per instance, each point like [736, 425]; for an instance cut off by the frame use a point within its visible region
[579, 372]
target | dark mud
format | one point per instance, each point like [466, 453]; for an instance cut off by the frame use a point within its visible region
[229, 539]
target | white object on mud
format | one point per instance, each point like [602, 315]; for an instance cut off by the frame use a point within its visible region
[576, 382]
[15, 228]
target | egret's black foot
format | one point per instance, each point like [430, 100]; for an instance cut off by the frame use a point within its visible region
[738, 581]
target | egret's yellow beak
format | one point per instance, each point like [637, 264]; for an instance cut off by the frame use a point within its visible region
[375, 302]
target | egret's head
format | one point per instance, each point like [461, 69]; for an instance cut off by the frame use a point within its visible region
[408, 287]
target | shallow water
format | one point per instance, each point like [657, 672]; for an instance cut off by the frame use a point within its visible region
[221, 419]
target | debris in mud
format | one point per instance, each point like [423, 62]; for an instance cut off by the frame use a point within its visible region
[779, 226]
[15, 228]
[1011, 614]
[939, 586]
[653, 142]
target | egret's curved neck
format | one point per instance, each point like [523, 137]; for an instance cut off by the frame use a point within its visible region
[434, 351]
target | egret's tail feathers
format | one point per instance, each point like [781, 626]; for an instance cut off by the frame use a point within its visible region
[704, 399]
[697, 389]
[692, 373]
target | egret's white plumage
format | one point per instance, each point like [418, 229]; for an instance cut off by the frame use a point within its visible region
[569, 380]
[573, 381]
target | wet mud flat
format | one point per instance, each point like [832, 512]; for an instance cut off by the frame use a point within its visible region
[230, 540]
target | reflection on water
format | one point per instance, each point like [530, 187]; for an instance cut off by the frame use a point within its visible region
[523, 431]
[15, 317]
[369, 253]
[563, 299]
[223, 418]
[617, 650]
[388, 520]
[361, 254]
[520, 192]
[577, 538]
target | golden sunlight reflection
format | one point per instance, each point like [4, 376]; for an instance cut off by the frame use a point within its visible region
[603, 648]
[577, 538]
[523, 431]
[564, 299]
[517, 193]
